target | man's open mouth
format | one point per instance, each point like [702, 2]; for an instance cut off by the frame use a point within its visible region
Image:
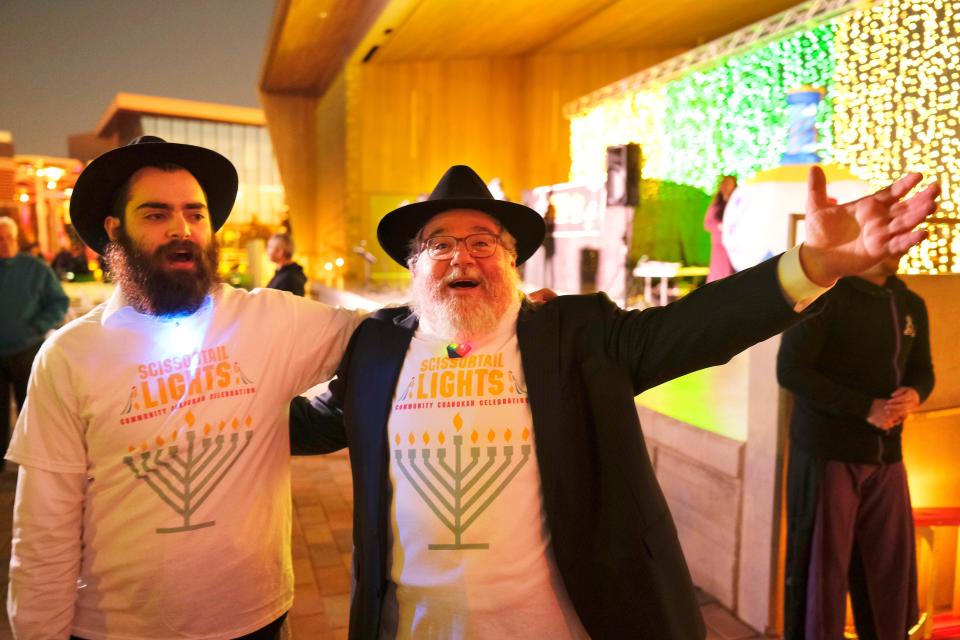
[463, 283]
[181, 257]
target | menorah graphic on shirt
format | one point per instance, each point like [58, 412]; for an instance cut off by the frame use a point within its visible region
[459, 491]
[185, 475]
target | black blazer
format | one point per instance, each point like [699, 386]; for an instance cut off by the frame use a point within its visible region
[584, 360]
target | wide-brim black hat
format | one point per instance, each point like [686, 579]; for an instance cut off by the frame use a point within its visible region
[94, 192]
[459, 188]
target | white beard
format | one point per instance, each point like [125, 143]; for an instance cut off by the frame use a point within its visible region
[461, 319]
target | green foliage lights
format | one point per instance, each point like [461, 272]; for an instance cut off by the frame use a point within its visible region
[731, 118]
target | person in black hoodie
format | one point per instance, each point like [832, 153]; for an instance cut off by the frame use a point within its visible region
[856, 370]
[289, 275]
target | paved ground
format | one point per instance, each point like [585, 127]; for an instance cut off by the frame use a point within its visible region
[323, 502]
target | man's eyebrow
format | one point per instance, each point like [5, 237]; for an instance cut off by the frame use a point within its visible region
[166, 206]
[441, 231]
[154, 205]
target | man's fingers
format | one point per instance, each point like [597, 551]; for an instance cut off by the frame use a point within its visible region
[899, 188]
[543, 295]
[816, 189]
[901, 243]
[911, 212]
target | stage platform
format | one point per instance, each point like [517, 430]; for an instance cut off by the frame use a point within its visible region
[713, 399]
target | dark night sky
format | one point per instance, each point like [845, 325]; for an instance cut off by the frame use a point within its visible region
[64, 60]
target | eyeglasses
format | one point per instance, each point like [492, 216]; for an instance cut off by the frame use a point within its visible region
[479, 245]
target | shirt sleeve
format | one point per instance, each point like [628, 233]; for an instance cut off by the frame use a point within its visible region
[318, 337]
[797, 287]
[45, 553]
[50, 433]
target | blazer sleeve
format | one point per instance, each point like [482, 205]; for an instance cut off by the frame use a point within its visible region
[705, 328]
[316, 425]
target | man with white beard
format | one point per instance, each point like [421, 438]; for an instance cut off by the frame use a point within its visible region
[502, 488]
[153, 497]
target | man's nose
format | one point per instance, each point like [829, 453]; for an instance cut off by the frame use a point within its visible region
[461, 255]
[179, 227]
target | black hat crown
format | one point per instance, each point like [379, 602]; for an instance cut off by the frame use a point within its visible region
[460, 188]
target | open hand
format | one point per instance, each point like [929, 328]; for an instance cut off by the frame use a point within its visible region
[847, 239]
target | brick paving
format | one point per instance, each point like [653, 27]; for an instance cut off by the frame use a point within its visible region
[321, 542]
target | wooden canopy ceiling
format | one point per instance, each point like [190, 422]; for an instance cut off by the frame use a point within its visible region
[311, 40]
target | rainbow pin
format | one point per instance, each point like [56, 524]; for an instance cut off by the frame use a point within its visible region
[455, 350]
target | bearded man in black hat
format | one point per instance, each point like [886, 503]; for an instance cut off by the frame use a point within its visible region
[501, 483]
[153, 497]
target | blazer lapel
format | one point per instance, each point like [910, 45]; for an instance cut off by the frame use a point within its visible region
[383, 360]
[537, 336]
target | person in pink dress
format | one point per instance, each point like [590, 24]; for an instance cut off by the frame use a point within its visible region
[720, 266]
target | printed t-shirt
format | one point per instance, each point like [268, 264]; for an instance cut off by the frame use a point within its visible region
[181, 428]
[470, 550]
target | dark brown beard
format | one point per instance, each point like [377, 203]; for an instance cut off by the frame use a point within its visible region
[152, 289]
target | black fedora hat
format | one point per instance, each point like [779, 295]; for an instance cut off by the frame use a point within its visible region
[94, 192]
[459, 188]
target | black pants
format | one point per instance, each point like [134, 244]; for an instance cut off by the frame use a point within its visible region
[269, 632]
[14, 372]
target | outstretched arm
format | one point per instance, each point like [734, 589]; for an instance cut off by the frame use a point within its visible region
[847, 239]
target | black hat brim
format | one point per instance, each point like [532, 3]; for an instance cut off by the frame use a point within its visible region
[398, 228]
[96, 188]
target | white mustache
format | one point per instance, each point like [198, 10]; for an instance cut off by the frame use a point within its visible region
[462, 274]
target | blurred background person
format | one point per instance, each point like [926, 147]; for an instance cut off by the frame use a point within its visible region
[289, 275]
[31, 303]
[71, 264]
[720, 266]
[550, 222]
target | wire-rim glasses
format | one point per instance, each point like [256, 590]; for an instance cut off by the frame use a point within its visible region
[479, 245]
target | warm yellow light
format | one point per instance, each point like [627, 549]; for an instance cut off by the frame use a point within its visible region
[634, 117]
[339, 262]
[24, 198]
[895, 105]
[51, 173]
[52, 184]
[328, 266]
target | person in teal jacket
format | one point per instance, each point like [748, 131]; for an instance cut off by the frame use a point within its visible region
[31, 303]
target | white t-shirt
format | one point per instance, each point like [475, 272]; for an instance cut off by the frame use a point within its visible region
[470, 552]
[181, 429]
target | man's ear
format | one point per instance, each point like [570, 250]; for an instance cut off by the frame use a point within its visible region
[111, 224]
